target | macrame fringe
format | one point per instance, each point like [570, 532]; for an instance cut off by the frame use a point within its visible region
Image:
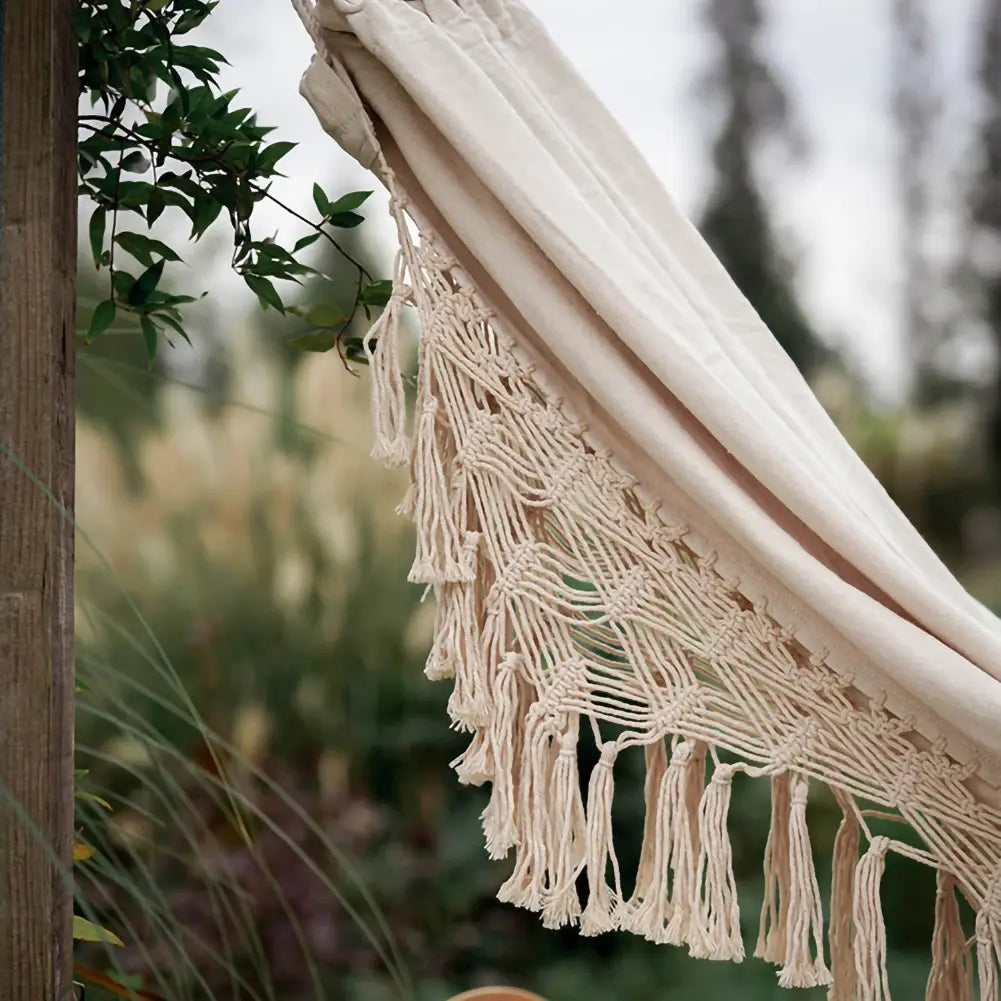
[870, 930]
[716, 921]
[805, 919]
[688, 764]
[656, 768]
[526, 886]
[988, 957]
[499, 822]
[951, 977]
[649, 907]
[445, 553]
[567, 840]
[771, 944]
[685, 891]
[475, 765]
[602, 900]
[842, 927]
[388, 399]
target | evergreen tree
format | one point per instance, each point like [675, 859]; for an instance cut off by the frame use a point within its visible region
[915, 110]
[736, 221]
[985, 203]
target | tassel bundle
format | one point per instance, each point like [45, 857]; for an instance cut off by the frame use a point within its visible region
[870, 929]
[951, 977]
[602, 900]
[805, 918]
[716, 923]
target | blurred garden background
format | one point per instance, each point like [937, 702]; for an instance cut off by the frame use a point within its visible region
[283, 822]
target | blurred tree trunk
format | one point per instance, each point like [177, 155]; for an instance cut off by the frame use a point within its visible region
[37, 278]
[736, 221]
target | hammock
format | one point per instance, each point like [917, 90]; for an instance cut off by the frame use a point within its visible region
[636, 518]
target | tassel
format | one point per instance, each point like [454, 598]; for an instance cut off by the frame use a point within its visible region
[716, 927]
[641, 915]
[686, 780]
[988, 954]
[602, 900]
[951, 977]
[806, 916]
[388, 399]
[475, 765]
[842, 933]
[456, 652]
[566, 849]
[870, 929]
[656, 768]
[499, 824]
[444, 553]
[671, 851]
[771, 944]
[408, 505]
[526, 885]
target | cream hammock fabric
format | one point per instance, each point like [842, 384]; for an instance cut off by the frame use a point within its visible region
[637, 519]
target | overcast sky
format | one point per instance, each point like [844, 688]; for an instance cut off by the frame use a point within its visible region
[837, 209]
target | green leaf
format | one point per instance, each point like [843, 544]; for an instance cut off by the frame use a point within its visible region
[104, 316]
[348, 202]
[377, 293]
[175, 323]
[142, 248]
[266, 293]
[205, 213]
[92, 798]
[98, 222]
[346, 220]
[145, 284]
[270, 155]
[150, 337]
[325, 315]
[320, 201]
[313, 340]
[135, 163]
[87, 931]
[122, 283]
[306, 241]
[155, 206]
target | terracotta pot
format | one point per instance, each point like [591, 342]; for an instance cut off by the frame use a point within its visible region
[496, 994]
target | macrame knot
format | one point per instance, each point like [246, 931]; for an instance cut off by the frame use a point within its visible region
[795, 748]
[628, 591]
[477, 443]
[906, 783]
[723, 774]
[609, 752]
[510, 578]
[818, 657]
[683, 701]
[785, 635]
[566, 478]
[723, 633]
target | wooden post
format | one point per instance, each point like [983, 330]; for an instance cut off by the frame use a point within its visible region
[38, 110]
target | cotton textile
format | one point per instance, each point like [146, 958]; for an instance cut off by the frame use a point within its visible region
[636, 516]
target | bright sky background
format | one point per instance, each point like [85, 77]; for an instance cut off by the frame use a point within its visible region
[836, 210]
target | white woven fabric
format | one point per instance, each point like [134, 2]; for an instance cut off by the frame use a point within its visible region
[636, 515]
